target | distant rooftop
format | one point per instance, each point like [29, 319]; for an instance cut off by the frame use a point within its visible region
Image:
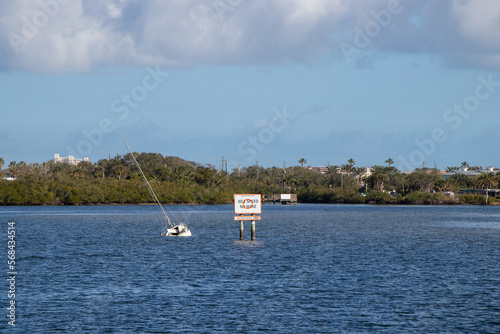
[320, 169]
[469, 172]
[6, 175]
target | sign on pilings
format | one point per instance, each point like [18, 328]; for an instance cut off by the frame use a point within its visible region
[247, 204]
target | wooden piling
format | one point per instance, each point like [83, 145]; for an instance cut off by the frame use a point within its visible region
[252, 236]
[241, 229]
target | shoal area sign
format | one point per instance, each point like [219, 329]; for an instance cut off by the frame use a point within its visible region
[247, 217]
[247, 203]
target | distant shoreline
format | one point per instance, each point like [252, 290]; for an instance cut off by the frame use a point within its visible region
[265, 204]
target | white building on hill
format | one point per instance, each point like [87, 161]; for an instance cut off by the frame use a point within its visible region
[69, 160]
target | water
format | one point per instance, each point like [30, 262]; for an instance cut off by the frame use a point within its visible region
[313, 269]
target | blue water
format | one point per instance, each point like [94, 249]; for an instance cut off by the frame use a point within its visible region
[312, 269]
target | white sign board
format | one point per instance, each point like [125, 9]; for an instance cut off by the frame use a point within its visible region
[247, 204]
[247, 217]
[286, 197]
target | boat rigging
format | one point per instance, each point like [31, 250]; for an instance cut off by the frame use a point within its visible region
[180, 230]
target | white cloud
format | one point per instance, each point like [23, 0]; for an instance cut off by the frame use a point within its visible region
[479, 21]
[73, 36]
[114, 11]
[479, 24]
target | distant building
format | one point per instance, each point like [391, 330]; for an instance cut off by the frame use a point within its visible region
[324, 170]
[288, 199]
[367, 173]
[491, 192]
[469, 172]
[321, 169]
[283, 199]
[69, 160]
[6, 175]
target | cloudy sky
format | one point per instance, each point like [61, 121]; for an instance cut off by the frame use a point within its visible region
[271, 81]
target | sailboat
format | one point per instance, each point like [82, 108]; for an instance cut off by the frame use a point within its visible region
[179, 230]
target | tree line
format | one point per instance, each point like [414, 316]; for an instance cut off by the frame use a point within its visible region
[118, 181]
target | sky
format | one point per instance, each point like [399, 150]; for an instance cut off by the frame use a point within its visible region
[264, 82]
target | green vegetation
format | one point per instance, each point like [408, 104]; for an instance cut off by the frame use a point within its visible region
[117, 181]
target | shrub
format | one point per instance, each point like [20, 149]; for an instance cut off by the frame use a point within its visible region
[473, 199]
[379, 197]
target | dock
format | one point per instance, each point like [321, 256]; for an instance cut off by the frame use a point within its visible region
[283, 199]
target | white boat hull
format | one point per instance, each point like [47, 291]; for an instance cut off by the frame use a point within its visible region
[180, 230]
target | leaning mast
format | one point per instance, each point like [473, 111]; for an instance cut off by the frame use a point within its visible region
[153, 194]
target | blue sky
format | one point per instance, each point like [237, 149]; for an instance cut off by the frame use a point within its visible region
[271, 81]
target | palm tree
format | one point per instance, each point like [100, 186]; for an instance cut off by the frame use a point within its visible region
[379, 177]
[487, 181]
[302, 161]
[360, 171]
[332, 169]
[119, 170]
[389, 162]
[465, 165]
[349, 167]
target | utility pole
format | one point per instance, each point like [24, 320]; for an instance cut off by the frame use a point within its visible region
[222, 165]
[284, 174]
